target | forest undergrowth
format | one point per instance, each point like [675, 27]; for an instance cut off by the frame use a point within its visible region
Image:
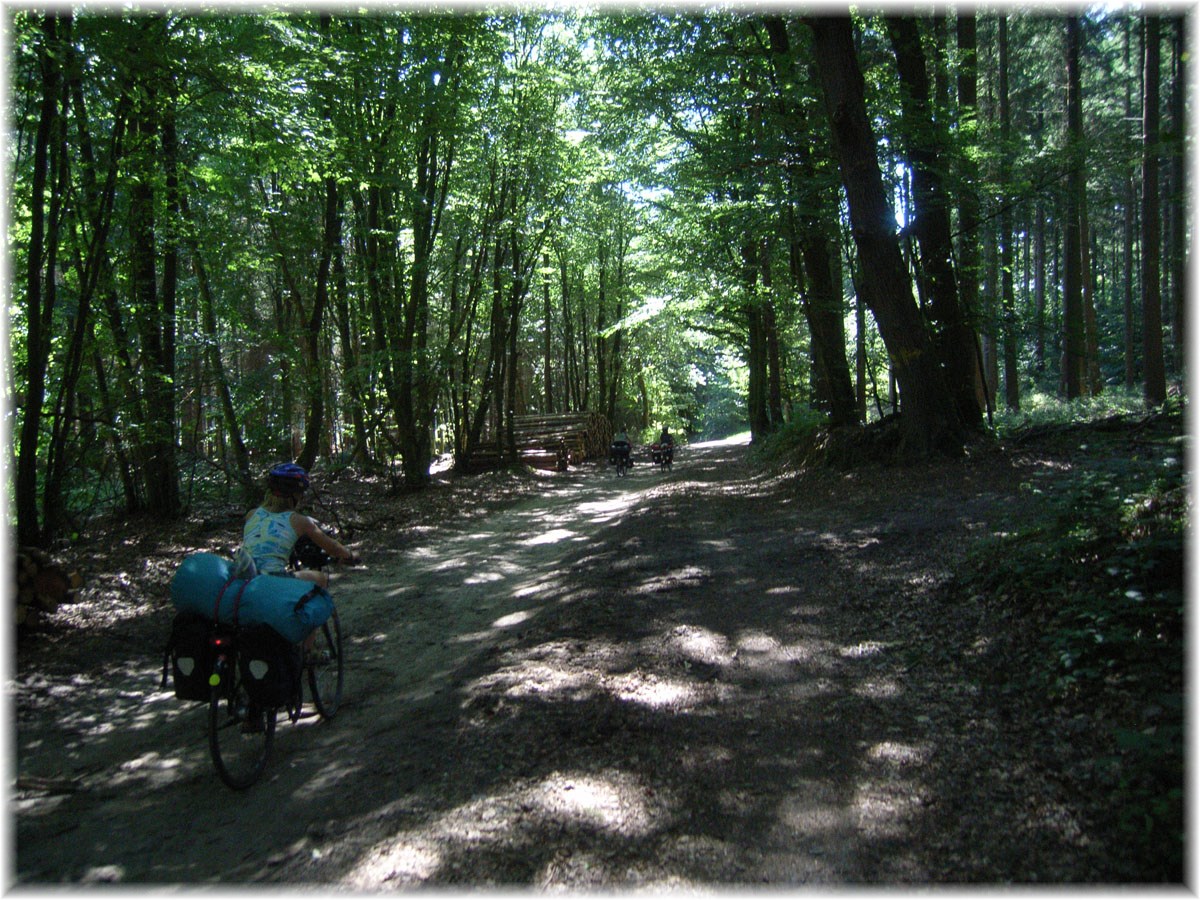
[1098, 583]
[1087, 603]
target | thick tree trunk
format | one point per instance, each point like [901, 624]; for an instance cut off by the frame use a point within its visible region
[929, 420]
[927, 148]
[810, 252]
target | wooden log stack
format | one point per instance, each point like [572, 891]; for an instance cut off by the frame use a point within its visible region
[586, 435]
[42, 585]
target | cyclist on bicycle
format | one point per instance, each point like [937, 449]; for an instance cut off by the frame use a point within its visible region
[272, 529]
[620, 446]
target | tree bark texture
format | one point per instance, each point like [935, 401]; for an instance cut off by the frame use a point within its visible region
[928, 150]
[929, 420]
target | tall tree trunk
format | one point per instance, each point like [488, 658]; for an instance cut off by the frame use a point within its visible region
[1074, 338]
[353, 386]
[547, 333]
[97, 278]
[314, 421]
[1129, 236]
[216, 364]
[1012, 390]
[926, 148]
[968, 198]
[156, 312]
[756, 354]
[860, 357]
[572, 387]
[39, 286]
[1179, 189]
[929, 420]
[1091, 328]
[64, 409]
[516, 300]
[1039, 288]
[1155, 388]
[810, 251]
[771, 337]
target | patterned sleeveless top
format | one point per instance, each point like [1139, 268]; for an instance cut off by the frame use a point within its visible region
[269, 538]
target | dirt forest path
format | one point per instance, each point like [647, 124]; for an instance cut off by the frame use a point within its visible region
[708, 676]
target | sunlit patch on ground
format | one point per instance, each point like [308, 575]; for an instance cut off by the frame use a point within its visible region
[602, 511]
[333, 773]
[899, 754]
[610, 802]
[684, 577]
[813, 654]
[878, 689]
[614, 802]
[398, 863]
[555, 672]
[152, 767]
[554, 536]
[863, 649]
[813, 812]
[884, 810]
[514, 619]
[655, 692]
[700, 644]
[484, 577]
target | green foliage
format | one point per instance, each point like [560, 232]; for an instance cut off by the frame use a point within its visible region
[794, 440]
[1039, 408]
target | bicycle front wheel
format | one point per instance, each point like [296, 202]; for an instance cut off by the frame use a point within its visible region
[326, 667]
[240, 734]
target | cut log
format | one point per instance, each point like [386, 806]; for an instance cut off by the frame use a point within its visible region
[42, 585]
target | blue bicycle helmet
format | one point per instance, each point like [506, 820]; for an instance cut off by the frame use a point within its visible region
[287, 479]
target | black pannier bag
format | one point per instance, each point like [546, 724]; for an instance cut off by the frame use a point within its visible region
[270, 666]
[189, 657]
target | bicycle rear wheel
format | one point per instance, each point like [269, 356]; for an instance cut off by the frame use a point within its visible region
[240, 735]
[326, 667]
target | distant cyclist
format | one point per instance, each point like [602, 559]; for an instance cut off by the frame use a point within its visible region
[620, 446]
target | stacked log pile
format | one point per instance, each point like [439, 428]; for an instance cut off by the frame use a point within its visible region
[585, 435]
[42, 585]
